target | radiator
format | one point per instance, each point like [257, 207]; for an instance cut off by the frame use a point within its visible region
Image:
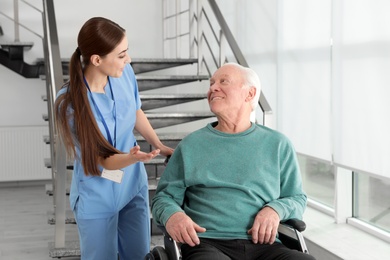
[22, 153]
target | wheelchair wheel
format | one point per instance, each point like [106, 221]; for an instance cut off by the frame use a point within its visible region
[158, 253]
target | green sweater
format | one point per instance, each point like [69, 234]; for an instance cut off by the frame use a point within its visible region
[221, 181]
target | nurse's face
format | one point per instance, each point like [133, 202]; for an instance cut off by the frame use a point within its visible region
[114, 63]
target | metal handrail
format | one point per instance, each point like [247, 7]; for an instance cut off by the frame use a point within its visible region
[195, 40]
[54, 81]
[16, 19]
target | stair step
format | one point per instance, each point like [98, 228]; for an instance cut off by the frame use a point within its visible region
[16, 49]
[69, 217]
[159, 120]
[47, 163]
[166, 137]
[147, 65]
[152, 186]
[144, 65]
[71, 249]
[149, 82]
[19, 45]
[49, 190]
[152, 101]
[154, 161]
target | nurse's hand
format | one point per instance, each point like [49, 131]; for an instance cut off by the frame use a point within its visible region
[166, 150]
[140, 156]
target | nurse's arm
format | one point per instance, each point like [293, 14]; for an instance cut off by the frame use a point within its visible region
[119, 161]
[143, 126]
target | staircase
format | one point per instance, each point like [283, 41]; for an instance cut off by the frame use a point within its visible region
[173, 95]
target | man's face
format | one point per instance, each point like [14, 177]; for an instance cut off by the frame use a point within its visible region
[227, 93]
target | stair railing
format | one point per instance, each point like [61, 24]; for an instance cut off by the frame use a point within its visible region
[209, 50]
[54, 81]
[16, 21]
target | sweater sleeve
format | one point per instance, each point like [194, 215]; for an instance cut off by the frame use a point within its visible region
[171, 188]
[292, 200]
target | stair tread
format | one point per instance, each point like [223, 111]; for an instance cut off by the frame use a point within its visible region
[179, 114]
[69, 217]
[49, 189]
[8, 44]
[47, 162]
[152, 183]
[166, 114]
[171, 77]
[163, 137]
[72, 248]
[172, 96]
[163, 96]
[163, 60]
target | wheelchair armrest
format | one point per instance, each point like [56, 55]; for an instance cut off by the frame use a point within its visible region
[297, 224]
[164, 230]
[172, 248]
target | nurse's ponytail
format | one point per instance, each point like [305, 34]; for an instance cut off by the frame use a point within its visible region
[97, 36]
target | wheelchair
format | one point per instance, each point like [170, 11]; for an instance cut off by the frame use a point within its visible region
[289, 233]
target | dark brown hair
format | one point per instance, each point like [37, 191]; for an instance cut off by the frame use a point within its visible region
[98, 36]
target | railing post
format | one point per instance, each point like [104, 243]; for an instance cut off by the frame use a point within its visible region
[54, 81]
[16, 20]
[164, 6]
[199, 33]
[192, 23]
[178, 29]
[222, 47]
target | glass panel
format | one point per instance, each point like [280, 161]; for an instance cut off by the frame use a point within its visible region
[318, 180]
[372, 200]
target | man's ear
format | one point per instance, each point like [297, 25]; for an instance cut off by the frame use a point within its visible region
[95, 60]
[251, 94]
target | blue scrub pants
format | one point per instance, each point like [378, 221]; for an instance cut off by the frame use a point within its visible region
[126, 233]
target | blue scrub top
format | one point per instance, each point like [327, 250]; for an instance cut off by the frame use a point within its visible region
[97, 197]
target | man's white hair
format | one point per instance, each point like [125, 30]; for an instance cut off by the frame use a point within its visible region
[251, 80]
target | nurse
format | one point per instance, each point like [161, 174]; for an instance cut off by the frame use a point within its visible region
[96, 113]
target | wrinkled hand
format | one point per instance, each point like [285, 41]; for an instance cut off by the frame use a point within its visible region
[265, 226]
[183, 230]
[142, 156]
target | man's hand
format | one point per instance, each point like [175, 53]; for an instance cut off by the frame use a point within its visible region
[183, 230]
[265, 226]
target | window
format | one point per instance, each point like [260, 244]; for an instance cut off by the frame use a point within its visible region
[318, 180]
[371, 200]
